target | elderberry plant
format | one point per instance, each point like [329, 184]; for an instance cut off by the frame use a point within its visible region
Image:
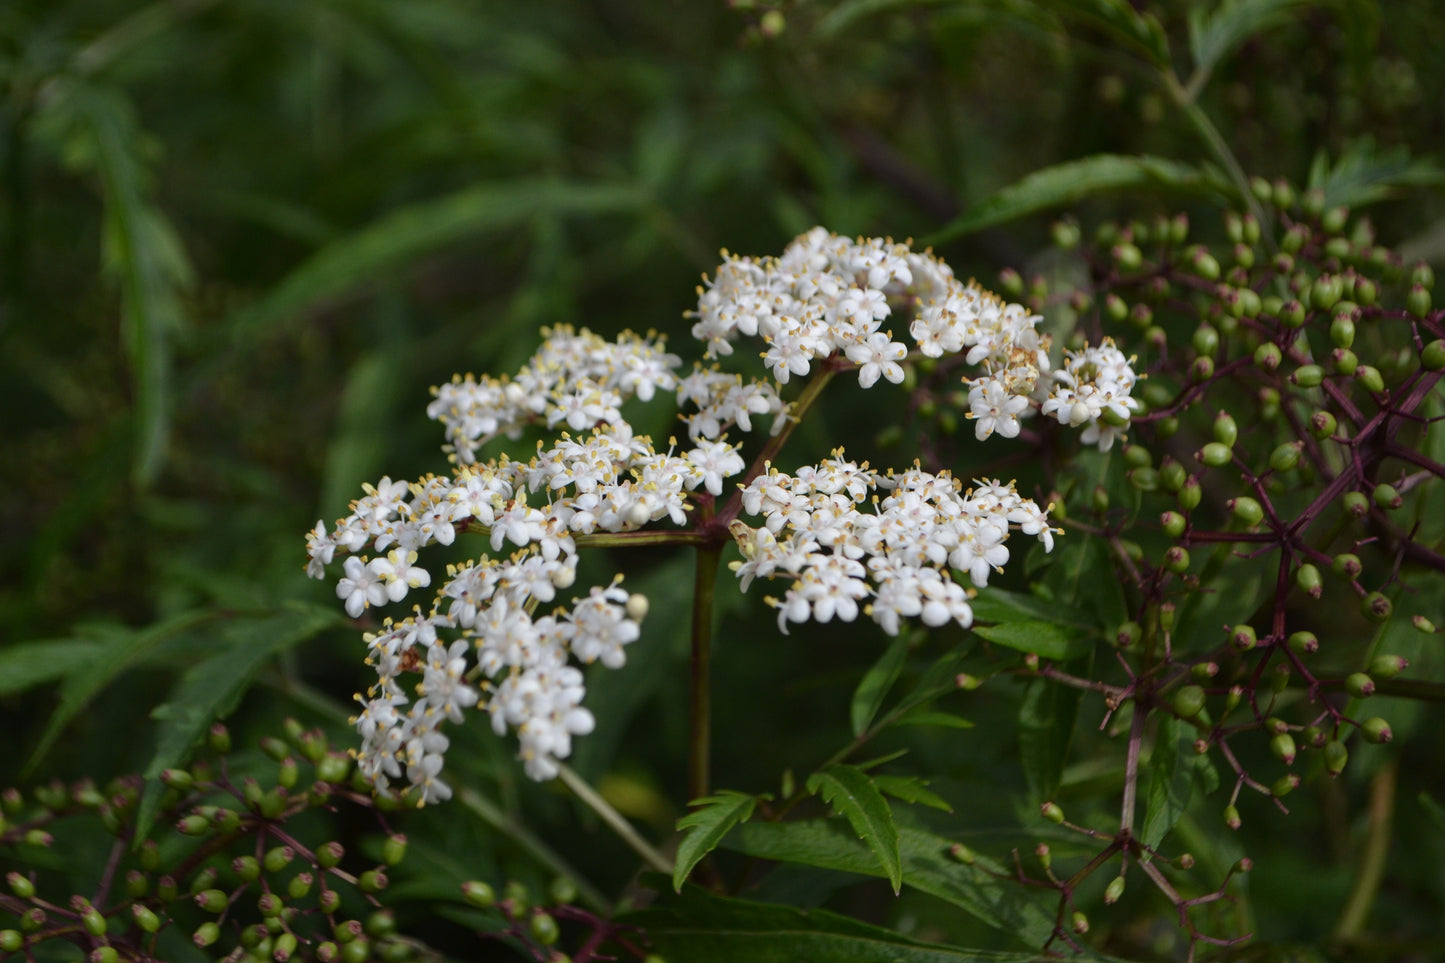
[844, 538]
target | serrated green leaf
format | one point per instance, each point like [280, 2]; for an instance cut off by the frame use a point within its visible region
[1044, 639]
[1172, 771]
[985, 889]
[873, 687]
[911, 789]
[398, 238]
[1365, 175]
[1214, 35]
[718, 814]
[29, 664]
[934, 718]
[853, 796]
[703, 928]
[114, 656]
[1140, 32]
[210, 690]
[1072, 181]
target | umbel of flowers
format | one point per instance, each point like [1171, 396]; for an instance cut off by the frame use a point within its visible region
[495, 634]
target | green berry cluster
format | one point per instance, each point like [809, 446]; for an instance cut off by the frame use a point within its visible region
[217, 864]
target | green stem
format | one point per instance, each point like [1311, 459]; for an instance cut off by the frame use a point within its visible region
[700, 671]
[1371, 871]
[500, 822]
[614, 819]
[1185, 100]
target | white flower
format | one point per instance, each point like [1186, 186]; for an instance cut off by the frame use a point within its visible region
[878, 355]
[995, 409]
[361, 586]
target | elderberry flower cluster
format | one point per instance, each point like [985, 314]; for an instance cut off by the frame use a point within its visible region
[892, 562]
[494, 635]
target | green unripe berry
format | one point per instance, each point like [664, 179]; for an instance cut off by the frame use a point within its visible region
[1356, 504]
[284, 947]
[11, 941]
[1167, 427]
[1376, 607]
[1215, 454]
[1206, 339]
[1308, 578]
[1226, 432]
[1176, 560]
[1369, 377]
[1247, 511]
[1144, 479]
[1243, 637]
[1286, 456]
[1188, 701]
[328, 855]
[1333, 221]
[1066, 235]
[328, 952]
[1128, 635]
[393, 851]
[1323, 424]
[219, 739]
[1432, 356]
[372, 881]
[1172, 523]
[1268, 356]
[1127, 256]
[1342, 331]
[1204, 264]
[328, 900]
[1344, 361]
[1204, 671]
[1308, 376]
[269, 904]
[212, 900]
[1079, 922]
[1284, 785]
[1417, 302]
[1387, 666]
[1190, 494]
[1279, 677]
[1347, 565]
[145, 918]
[1335, 756]
[1376, 731]
[1231, 817]
[21, 886]
[1359, 685]
[357, 951]
[93, 921]
[1115, 308]
[1303, 643]
[1386, 497]
[1202, 369]
[137, 884]
[193, 825]
[278, 858]
[381, 923]
[1172, 475]
[1137, 456]
[1325, 292]
[300, 885]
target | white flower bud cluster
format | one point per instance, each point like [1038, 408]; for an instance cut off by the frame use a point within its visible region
[891, 562]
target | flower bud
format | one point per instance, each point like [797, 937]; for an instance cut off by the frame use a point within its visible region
[1376, 730]
[194, 824]
[1052, 812]
[269, 904]
[1285, 785]
[1243, 638]
[1127, 256]
[328, 900]
[1204, 671]
[219, 739]
[1204, 264]
[1115, 308]
[1206, 339]
[372, 881]
[1376, 607]
[1347, 565]
[1342, 331]
[334, 768]
[1044, 854]
[1172, 475]
[288, 772]
[1279, 677]
[1308, 376]
[204, 879]
[328, 855]
[1286, 456]
[1325, 292]
[1079, 922]
[1143, 479]
[246, 868]
[1226, 432]
[1231, 817]
[963, 854]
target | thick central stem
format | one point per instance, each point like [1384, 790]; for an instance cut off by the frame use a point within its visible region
[700, 664]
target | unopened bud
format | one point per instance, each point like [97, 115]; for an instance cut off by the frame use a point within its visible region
[1283, 748]
[1376, 730]
[1188, 701]
[1359, 685]
[1114, 890]
[1052, 812]
[1335, 755]
[1243, 637]
[1080, 923]
[1376, 607]
[1387, 666]
[1231, 817]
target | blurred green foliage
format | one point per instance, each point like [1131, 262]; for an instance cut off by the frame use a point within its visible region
[238, 241]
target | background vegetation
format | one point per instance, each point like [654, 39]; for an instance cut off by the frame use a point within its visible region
[242, 239]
